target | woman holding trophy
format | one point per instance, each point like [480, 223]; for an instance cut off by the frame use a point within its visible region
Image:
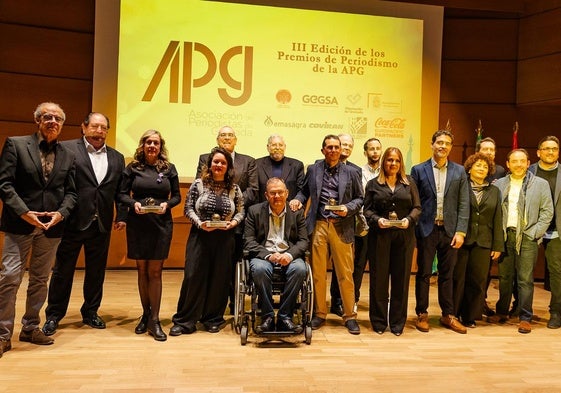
[392, 208]
[150, 188]
[214, 206]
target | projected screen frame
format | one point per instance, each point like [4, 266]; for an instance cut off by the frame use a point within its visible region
[106, 60]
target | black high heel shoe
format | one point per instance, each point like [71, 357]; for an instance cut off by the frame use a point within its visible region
[142, 326]
[155, 330]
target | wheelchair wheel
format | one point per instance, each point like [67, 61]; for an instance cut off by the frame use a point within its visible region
[239, 296]
[243, 334]
[308, 334]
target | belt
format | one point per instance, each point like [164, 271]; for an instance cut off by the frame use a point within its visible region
[439, 223]
[330, 220]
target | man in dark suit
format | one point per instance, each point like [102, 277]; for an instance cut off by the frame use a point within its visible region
[38, 191]
[488, 147]
[98, 174]
[444, 193]
[276, 164]
[245, 176]
[336, 195]
[275, 235]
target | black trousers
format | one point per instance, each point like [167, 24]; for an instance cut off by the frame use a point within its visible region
[438, 242]
[391, 253]
[470, 279]
[206, 280]
[96, 249]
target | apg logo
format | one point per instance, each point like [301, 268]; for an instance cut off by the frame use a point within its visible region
[174, 55]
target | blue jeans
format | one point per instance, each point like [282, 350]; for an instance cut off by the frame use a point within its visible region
[14, 255]
[262, 272]
[522, 265]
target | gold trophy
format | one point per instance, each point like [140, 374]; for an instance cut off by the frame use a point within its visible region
[216, 222]
[333, 206]
[150, 206]
[393, 220]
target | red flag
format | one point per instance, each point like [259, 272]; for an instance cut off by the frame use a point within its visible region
[515, 136]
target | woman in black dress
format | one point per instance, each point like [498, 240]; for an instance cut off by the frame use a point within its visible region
[392, 208]
[154, 184]
[210, 247]
[484, 240]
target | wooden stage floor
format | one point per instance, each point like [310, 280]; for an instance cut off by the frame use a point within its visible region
[490, 358]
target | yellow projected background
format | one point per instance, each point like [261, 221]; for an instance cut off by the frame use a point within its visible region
[188, 67]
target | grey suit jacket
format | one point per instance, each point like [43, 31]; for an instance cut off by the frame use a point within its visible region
[456, 198]
[292, 174]
[23, 187]
[350, 195]
[257, 229]
[95, 200]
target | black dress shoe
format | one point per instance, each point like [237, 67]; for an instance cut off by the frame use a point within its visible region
[94, 321]
[215, 328]
[317, 322]
[155, 330]
[178, 330]
[50, 326]
[352, 326]
[142, 326]
[336, 309]
[286, 325]
[267, 325]
[397, 332]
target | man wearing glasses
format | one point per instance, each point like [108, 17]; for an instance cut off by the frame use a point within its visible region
[548, 168]
[98, 174]
[38, 190]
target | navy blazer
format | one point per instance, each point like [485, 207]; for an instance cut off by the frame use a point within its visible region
[456, 198]
[350, 195]
[556, 195]
[292, 174]
[95, 200]
[23, 187]
[257, 229]
[245, 175]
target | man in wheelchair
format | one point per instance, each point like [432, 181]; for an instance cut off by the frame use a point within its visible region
[276, 235]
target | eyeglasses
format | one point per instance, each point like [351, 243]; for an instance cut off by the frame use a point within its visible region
[47, 117]
[100, 126]
[550, 149]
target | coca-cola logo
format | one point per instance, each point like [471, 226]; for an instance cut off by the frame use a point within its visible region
[397, 123]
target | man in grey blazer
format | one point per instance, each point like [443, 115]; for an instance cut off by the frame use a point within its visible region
[336, 195]
[98, 174]
[276, 235]
[444, 193]
[548, 168]
[38, 191]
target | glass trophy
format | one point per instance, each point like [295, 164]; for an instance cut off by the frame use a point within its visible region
[393, 220]
[150, 206]
[333, 206]
[216, 222]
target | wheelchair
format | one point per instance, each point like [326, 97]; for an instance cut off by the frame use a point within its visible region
[245, 312]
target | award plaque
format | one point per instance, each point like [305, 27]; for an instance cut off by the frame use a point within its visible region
[393, 220]
[151, 207]
[216, 222]
[333, 206]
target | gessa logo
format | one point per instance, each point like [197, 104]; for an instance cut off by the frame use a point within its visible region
[181, 80]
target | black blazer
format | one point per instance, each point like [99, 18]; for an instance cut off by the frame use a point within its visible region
[23, 187]
[257, 228]
[93, 198]
[486, 220]
[292, 174]
[245, 175]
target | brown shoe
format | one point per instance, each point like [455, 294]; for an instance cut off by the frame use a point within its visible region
[5, 346]
[524, 327]
[452, 323]
[36, 336]
[422, 323]
[497, 318]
